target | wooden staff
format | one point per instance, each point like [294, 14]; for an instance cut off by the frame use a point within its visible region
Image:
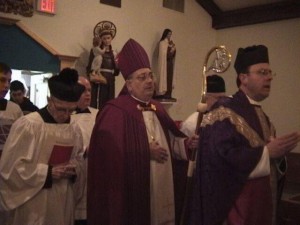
[190, 173]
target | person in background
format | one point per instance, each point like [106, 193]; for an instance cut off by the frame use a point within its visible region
[240, 160]
[17, 95]
[130, 179]
[215, 90]
[42, 157]
[9, 113]
[166, 65]
[85, 117]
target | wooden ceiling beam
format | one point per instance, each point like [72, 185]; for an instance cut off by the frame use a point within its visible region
[251, 15]
[210, 7]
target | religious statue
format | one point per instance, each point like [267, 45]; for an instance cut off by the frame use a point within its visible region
[166, 63]
[102, 67]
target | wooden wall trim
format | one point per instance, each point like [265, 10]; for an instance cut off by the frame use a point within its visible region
[36, 38]
[65, 60]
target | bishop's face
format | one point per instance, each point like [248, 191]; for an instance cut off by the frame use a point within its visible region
[5, 79]
[140, 84]
[257, 82]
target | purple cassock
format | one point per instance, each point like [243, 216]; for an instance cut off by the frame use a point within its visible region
[231, 144]
[119, 163]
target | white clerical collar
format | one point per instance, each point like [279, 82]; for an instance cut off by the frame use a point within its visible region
[140, 100]
[253, 102]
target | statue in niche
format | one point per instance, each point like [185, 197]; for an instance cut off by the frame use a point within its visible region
[165, 69]
[102, 68]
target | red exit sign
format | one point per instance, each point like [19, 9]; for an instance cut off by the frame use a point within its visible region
[47, 6]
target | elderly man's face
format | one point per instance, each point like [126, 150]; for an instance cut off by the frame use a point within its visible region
[212, 98]
[4, 84]
[141, 84]
[60, 110]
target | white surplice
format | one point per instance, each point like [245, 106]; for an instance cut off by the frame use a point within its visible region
[24, 167]
[161, 176]
[8, 116]
[86, 122]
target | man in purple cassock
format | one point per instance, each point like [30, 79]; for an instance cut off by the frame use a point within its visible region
[240, 160]
[130, 177]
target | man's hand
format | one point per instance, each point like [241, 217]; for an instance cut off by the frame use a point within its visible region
[280, 146]
[64, 171]
[158, 153]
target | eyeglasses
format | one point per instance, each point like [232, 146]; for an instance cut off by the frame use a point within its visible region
[63, 110]
[144, 76]
[263, 73]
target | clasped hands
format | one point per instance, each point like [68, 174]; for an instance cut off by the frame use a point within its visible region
[280, 146]
[63, 171]
[158, 153]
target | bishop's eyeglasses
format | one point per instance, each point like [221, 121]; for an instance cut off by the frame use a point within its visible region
[263, 73]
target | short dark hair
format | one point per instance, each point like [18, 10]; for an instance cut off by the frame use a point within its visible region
[238, 81]
[16, 86]
[4, 68]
